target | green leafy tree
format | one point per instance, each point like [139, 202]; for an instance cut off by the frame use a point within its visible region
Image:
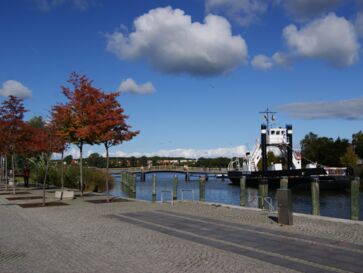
[96, 160]
[357, 142]
[349, 159]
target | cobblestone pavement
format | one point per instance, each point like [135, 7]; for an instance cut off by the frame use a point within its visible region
[144, 237]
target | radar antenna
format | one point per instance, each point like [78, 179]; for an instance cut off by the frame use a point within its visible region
[269, 116]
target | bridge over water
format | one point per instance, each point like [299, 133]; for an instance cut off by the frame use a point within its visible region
[188, 171]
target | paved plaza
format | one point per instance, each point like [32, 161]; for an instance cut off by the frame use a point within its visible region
[136, 236]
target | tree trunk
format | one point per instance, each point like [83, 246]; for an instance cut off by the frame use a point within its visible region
[6, 171]
[81, 168]
[107, 163]
[45, 178]
[62, 171]
[13, 174]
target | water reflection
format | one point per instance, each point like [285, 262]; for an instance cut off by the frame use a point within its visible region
[332, 203]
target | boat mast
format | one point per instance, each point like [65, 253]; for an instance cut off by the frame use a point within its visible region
[269, 116]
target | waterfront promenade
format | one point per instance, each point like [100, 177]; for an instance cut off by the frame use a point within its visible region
[137, 236]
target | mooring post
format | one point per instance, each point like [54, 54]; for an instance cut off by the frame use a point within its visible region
[262, 192]
[133, 186]
[122, 181]
[187, 177]
[355, 191]
[175, 187]
[242, 194]
[202, 189]
[153, 192]
[284, 182]
[315, 198]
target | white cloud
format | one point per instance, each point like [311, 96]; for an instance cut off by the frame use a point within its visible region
[73, 151]
[359, 24]
[129, 85]
[237, 151]
[244, 12]
[14, 88]
[282, 59]
[331, 39]
[169, 40]
[262, 62]
[279, 59]
[307, 9]
[343, 109]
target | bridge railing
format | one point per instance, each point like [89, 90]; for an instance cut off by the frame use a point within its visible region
[169, 168]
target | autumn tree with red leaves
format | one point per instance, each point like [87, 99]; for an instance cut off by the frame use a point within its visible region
[12, 128]
[81, 114]
[111, 127]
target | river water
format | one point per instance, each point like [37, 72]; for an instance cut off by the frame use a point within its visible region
[332, 203]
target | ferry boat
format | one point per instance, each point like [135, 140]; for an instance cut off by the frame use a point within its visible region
[280, 140]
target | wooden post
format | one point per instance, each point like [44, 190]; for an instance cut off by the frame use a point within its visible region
[315, 198]
[202, 189]
[133, 186]
[284, 182]
[354, 191]
[175, 187]
[262, 192]
[242, 194]
[153, 194]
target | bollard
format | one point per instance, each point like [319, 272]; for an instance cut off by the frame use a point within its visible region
[175, 187]
[354, 191]
[262, 192]
[284, 201]
[201, 189]
[242, 194]
[315, 200]
[284, 182]
[153, 192]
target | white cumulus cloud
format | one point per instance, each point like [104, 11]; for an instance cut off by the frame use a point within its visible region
[244, 12]
[307, 9]
[279, 59]
[359, 24]
[262, 62]
[169, 40]
[15, 88]
[129, 85]
[343, 109]
[331, 39]
[237, 151]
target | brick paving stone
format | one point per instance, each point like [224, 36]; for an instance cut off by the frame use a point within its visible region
[82, 237]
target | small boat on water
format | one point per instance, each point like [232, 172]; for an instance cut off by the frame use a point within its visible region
[280, 140]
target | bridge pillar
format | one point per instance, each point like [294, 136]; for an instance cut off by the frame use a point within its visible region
[187, 177]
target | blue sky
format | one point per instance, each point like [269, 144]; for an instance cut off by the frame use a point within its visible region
[193, 75]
